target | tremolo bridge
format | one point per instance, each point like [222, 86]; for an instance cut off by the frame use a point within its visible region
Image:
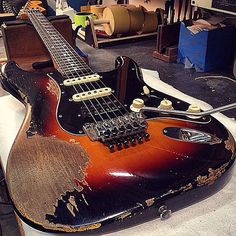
[115, 132]
[119, 132]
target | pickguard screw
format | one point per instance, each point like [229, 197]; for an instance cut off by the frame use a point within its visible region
[60, 116]
[164, 212]
[79, 115]
[62, 92]
[80, 131]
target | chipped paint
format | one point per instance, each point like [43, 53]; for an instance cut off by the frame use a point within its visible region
[182, 188]
[186, 187]
[75, 229]
[212, 176]
[73, 203]
[78, 185]
[89, 227]
[71, 209]
[150, 202]
[67, 228]
[230, 144]
[73, 141]
[124, 215]
[84, 199]
[52, 88]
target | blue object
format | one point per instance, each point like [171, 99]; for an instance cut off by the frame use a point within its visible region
[76, 4]
[206, 50]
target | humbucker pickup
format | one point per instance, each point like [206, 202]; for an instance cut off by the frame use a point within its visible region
[96, 93]
[81, 80]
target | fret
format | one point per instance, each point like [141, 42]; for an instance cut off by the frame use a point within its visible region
[64, 55]
[74, 67]
[100, 107]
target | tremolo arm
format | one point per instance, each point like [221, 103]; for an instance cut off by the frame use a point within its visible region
[187, 113]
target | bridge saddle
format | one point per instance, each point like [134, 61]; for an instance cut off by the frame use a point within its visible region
[120, 131]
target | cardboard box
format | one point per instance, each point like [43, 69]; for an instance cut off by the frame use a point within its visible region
[206, 50]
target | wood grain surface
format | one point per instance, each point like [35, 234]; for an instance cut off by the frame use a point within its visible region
[46, 168]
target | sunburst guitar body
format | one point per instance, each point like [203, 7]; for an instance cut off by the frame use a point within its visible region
[85, 160]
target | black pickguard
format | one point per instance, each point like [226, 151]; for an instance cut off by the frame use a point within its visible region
[73, 115]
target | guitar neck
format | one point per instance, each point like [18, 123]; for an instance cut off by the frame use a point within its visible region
[65, 57]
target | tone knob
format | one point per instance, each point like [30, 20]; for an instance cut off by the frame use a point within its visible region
[137, 104]
[166, 105]
[194, 108]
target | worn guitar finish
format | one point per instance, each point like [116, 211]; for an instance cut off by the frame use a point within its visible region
[61, 180]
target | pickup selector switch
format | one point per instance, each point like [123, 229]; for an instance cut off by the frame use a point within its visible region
[146, 90]
[137, 104]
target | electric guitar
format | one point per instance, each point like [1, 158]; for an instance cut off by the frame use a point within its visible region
[96, 154]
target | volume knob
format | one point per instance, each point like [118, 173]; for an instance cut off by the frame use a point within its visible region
[166, 105]
[137, 104]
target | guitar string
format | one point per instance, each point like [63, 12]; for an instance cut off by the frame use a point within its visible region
[58, 62]
[83, 63]
[109, 108]
[72, 50]
[103, 99]
[69, 48]
[45, 21]
[55, 55]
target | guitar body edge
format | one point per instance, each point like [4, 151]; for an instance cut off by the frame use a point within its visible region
[60, 181]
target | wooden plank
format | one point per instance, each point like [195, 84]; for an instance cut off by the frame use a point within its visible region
[106, 41]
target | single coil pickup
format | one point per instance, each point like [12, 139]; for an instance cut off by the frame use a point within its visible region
[96, 93]
[81, 80]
